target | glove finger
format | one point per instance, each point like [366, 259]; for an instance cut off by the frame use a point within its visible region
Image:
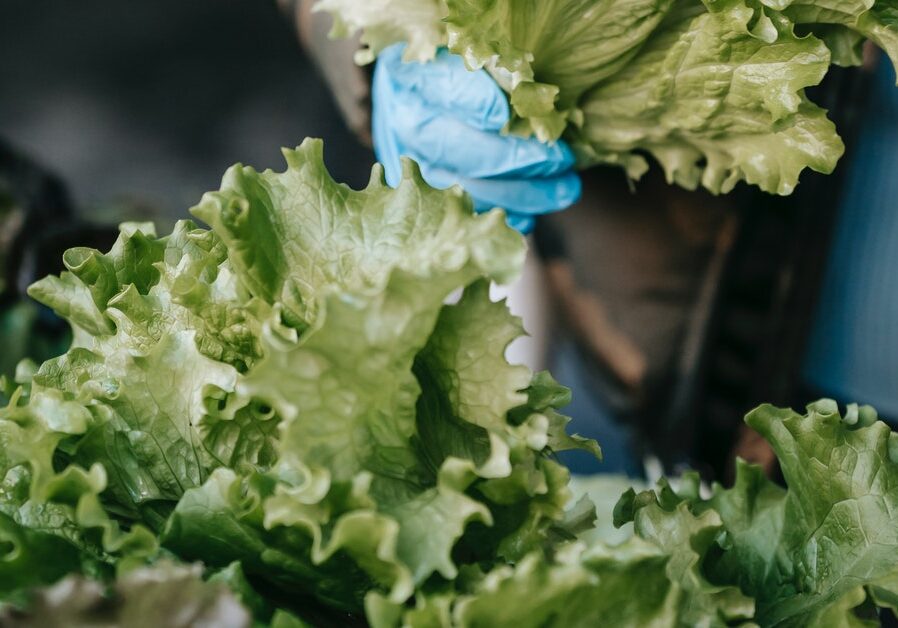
[446, 84]
[447, 143]
[529, 197]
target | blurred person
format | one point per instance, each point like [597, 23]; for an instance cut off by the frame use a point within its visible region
[628, 277]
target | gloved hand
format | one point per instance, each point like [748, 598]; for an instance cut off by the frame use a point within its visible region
[449, 120]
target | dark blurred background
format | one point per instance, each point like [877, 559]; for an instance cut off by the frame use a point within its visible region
[130, 111]
[147, 103]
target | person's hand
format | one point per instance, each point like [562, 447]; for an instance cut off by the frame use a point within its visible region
[449, 120]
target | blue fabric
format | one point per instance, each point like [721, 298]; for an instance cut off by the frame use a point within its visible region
[591, 417]
[450, 121]
[853, 349]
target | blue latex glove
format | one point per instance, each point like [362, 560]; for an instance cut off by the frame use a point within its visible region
[449, 120]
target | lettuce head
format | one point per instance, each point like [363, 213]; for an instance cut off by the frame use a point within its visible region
[712, 90]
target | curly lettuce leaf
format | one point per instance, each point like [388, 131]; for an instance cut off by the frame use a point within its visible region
[806, 551]
[231, 506]
[715, 104]
[180, 329]
[44, 509]
[385, 22]
[33, 558]
[839, 530]
[876, 20]
[294, 237]
[548, 53]
[628, 585]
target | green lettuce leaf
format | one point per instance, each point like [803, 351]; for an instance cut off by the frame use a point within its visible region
[876, 20]
[806, 551]
[176, 323]
[44, 510]
[715, 105]
[634, 584]
[549, 53]
[385, 22]
[839, 529]
[298, 236]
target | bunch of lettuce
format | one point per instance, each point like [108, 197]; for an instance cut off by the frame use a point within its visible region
[713, 90]
[287, 392]
[280, 422]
